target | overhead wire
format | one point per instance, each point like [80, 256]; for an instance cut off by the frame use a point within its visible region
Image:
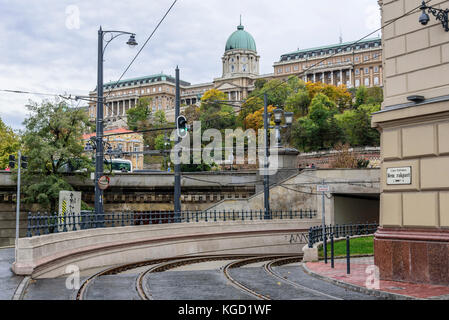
[137, 54]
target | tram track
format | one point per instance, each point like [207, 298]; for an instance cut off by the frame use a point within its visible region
[156, 265]
[141, 284]
[268, 267]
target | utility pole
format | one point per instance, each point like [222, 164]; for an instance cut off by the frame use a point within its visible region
[266, 193]
[99, 157]
[177, 195]
[99, 134]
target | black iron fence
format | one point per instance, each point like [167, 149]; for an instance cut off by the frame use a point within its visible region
[339, 231]
[40, 223]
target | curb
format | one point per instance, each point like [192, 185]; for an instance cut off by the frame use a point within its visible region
[20, 291]
[353, 287]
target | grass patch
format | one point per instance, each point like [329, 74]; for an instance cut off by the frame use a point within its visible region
[364, 245]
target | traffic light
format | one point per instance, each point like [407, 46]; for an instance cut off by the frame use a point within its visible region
[12, 161]
[24, 162]
[181, 126]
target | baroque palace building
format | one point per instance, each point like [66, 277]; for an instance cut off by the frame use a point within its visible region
[352, 65]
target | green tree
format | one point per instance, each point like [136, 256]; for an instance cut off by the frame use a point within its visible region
[298, 103]
[361, 96]
[52, 141]
[277, 92]
[318, 130]
[9, 144]
[137, 116]
[375, 96]
[356, 125]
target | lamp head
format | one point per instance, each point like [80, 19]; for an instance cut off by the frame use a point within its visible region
[132, 41]
[278, 115]
[288, 118]
[424, 17]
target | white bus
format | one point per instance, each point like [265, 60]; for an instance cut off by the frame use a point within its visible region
[118, 165]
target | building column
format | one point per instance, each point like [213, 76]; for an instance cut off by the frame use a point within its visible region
[350, 77]
[314, 77]
[332, 77]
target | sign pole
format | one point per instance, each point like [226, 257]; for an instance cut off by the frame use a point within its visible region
[18, 203]
[324, 228]
[323, 188]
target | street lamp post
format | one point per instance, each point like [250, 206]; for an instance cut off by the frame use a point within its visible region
[288, 117]
[99, 158]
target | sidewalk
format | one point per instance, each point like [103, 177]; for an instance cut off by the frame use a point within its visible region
[8, 280]
[359, 274]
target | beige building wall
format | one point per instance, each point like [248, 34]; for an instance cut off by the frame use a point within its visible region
[341, 64]
[415, 135]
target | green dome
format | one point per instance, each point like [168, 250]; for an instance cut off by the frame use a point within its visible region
[240, 39]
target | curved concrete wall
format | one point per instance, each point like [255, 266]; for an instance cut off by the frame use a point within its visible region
[47, 256]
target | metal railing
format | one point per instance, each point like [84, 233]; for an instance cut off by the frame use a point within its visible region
[41, 223]
[340, 231]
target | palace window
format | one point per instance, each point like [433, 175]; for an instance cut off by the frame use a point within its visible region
[357, 82]
[366, 82]
[376, 81]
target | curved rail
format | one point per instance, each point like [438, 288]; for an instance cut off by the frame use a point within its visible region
[114, 270]
[161, 265]
[240, 263]
[268, 267]
[145, 295]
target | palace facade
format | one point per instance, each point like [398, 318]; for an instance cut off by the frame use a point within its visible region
[343, 63]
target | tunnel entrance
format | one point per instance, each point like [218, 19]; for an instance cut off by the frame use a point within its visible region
[356, 208]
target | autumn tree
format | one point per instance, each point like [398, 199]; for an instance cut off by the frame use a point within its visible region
[9, 144]
[338, 94]
[255, 120]
[215, 112]
[250, 106]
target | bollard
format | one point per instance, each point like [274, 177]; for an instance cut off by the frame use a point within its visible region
[325, 247]
[332, 250]
[348, 261]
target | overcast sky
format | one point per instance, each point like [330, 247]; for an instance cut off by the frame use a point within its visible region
[51, 45]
